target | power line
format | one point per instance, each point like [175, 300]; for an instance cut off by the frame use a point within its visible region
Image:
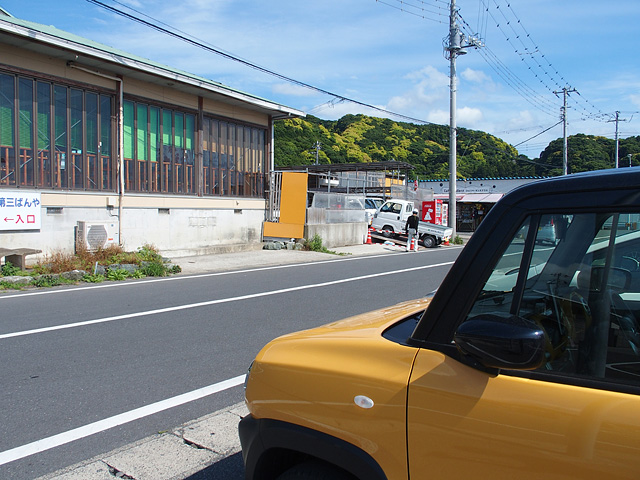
[212, 49]
[548, 73]
[538, 134]
[418, 11]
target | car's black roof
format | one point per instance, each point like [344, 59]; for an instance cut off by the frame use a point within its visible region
[596, 181]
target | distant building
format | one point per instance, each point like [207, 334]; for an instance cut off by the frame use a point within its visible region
[475, 196]
[93, 139]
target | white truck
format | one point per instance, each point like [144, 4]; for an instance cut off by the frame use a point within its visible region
[391, 219]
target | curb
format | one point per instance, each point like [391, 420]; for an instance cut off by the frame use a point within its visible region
[175, 455]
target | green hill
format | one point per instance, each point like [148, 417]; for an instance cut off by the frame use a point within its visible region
[360, 138]
[586, 153]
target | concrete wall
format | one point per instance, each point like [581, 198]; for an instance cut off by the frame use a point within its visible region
[177, 226]
[338, 234]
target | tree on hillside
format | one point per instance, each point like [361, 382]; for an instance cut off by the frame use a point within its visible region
[362, 139]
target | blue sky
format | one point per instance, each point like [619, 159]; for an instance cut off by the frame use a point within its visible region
[389, 54]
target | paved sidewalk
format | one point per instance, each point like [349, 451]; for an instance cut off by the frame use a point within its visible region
[263, 258]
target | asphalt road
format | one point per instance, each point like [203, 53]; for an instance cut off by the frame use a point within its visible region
[73, 357]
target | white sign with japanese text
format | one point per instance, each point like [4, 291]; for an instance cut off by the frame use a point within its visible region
[20, 210]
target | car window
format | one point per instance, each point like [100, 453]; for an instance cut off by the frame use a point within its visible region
[577, 277]
[392, 207]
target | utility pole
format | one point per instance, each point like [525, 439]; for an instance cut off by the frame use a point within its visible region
[563, 109]
[317, 148]
[617, 120]
[453, 49]
[617, 139]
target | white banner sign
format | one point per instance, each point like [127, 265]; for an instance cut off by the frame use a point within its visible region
[20, 210]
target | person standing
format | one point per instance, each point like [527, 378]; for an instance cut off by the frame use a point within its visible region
[412, 230]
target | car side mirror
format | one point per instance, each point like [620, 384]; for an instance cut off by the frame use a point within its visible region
[618, 280]
[502, 342]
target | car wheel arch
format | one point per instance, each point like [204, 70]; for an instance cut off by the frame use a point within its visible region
[275, 446]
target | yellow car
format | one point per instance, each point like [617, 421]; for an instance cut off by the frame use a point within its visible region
[525, 364]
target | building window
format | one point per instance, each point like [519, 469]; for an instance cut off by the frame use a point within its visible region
[163, 143]
[52, 136]
[62, 137]
[233, 159]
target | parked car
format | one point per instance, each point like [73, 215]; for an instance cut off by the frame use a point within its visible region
[371, 206]
[524, 364]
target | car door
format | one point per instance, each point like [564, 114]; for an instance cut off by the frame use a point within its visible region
[390, 214]
[578, 415]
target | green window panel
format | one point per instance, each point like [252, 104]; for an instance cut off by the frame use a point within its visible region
[128, 127]
[7, 95]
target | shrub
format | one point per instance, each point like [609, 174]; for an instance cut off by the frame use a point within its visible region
[154, 269]
[147, 257]
[149, 253]
[8, 270]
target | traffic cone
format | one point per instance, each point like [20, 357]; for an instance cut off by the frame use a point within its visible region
[369, 242]
[413, 244]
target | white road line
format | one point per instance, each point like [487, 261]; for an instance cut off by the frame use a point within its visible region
[107, 423]
[188, 277]
[213, 302]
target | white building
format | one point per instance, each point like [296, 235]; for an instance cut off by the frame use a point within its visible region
[475, 196]
[140, 152]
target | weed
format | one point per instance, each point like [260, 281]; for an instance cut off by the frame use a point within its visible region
[91, 278]
[8, 270]
[315, 245]
[10, 286]
[147, 257]
[149, 253]
[47, 281]
[117, 274]
[457, 240]
[154, 269]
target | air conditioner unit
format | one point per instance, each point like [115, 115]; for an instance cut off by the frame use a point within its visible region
[95, 235]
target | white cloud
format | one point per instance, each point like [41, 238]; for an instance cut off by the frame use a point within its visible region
[438, 116]
[429, 90]
[469, 117]
[475, 76]
[293, 90]
[524, 119]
